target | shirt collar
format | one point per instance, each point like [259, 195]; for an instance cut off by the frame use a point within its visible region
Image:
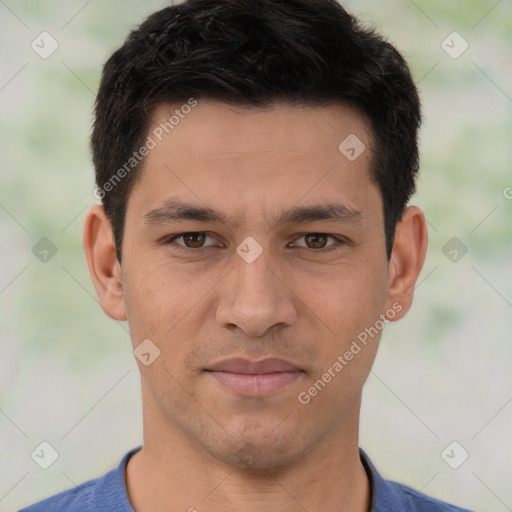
[384, 495]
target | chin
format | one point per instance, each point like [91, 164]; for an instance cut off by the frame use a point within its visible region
[252, 456]
[265, 452]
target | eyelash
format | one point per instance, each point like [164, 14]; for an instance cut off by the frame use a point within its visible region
[333, 247]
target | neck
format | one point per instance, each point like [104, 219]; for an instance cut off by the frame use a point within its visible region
[172, 470]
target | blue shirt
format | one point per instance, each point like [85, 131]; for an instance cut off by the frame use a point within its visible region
[109, 494]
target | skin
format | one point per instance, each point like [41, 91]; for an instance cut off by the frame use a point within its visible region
[205, 447]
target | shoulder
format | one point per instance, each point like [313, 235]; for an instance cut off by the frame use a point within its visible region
[80, 498]
[389, 495]
[106, 493]
[418, 502]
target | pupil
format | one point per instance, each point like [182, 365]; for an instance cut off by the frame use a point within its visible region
[196, 240]
[314, 240]
[195, 243]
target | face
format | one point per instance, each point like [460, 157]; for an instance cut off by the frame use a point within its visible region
[254, 260]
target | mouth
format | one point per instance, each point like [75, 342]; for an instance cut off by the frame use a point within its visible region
[255, 378]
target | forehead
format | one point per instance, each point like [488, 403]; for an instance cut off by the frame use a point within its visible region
[218, 128]
[225, 154]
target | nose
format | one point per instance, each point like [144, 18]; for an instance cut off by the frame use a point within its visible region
[256, 297]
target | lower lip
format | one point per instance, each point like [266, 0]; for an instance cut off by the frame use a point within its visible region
[256, 385]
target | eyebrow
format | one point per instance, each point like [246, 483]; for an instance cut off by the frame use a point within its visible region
[174, 210]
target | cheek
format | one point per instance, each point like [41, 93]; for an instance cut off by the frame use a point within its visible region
[164, 301]
[150, 302]
[348, 300]
[165, 307]
[349, 311]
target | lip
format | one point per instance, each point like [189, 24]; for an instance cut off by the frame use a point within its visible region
[241, 365]
[255, 378]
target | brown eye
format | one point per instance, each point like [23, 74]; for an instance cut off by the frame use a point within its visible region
[194, 240]
[316, 240]
[319, 242]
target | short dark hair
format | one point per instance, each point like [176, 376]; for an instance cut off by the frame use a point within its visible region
[256, 53]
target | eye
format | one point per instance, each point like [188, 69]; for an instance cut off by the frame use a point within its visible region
[319, 241]
[192, 240]
[196, 240]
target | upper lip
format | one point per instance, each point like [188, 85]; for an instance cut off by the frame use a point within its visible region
[240, 365]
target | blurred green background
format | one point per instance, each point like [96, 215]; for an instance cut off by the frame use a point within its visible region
[443, 374]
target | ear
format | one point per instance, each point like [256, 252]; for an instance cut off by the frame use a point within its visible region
[407, 258]
[104, 268]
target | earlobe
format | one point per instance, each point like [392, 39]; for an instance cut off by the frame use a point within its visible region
[407, 258]
[104, 268]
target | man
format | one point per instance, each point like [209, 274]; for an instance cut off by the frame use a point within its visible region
[254, 161]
